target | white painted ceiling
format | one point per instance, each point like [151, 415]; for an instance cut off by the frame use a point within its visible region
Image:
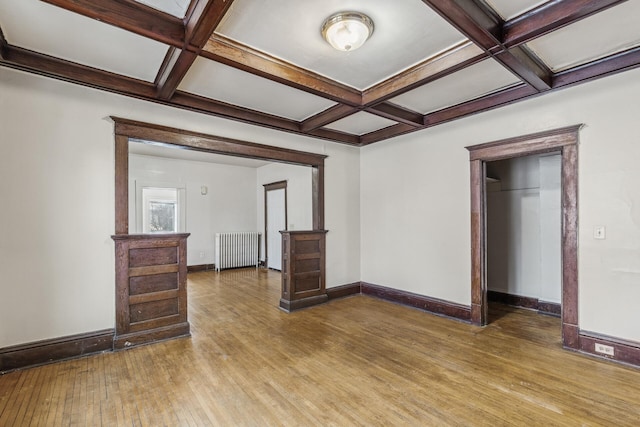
[40, 27]
[483, 78]
[409, 37]
[406, 32]
[177, 8]
[508, 9]
[576, 44]
[247, 90]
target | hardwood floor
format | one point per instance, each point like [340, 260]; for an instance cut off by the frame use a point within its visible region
[353, 361]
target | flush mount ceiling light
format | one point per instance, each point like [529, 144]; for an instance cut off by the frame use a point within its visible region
[347, 31]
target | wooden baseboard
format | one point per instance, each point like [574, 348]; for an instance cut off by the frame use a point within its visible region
[53, 350]
[153, 335]
[201, 267]
[298, 304]
[344, 290]
[543, 307]
[623, 351]
[431, 305]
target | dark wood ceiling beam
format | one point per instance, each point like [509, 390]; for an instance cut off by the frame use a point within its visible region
[526, 68]
[4, 47]
[131, 16]
[330, 115]
[200, 24]
[470, 19]
[613, 64]
[396, 113]
[485, 30]
[335, 135]
[60, 69]
[448, 62]
[550, 16]
[246, 115]
[486, 103]
[49, 66]
[234, 54]
[386, 133]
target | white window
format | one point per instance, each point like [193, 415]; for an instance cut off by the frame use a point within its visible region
[160, 209]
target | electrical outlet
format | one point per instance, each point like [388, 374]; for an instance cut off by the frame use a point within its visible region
[201, 254]
[604, 349]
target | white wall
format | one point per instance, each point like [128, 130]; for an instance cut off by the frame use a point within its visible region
[523, 227]
[415, 200]
[57, 192]
[299, 196]
[229, 204]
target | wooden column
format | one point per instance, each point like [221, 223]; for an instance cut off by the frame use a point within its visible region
[151, 288]
[303, 269]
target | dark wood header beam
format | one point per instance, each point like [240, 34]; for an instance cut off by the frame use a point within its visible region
[131, 16]
[550, 16]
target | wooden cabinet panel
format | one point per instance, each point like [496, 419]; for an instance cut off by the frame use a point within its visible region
[151, 288]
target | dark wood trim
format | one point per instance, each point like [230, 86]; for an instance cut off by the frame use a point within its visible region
[385, 133]
[4, 47]
[213, 144]
[203, 19]
[280, 185]
[180, 330]
[301, 303]
[330, 115]
[170, 79]
[564, 140]
[53, 350]
[548, 17]
[200, 267]
[344, 291]
[122, 184]
[624, 351]
[317, 197]
[613, 64]
[245, 58]
[524, 302]
[431, 305]
[397, 113]
[443, 64]
[131, 16]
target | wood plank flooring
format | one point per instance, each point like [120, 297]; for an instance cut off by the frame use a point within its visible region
[354, 361]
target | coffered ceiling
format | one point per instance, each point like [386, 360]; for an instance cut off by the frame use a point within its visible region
[265, 62]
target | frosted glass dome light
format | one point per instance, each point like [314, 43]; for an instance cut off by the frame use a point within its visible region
[347, 31]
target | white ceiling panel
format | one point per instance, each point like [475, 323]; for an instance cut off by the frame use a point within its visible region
[406, 32]
[599, 35]
[509, 9]
[40, 27]
[361, 123]
[177, 8]
[218, 81]
[472, 82]
[171, 152]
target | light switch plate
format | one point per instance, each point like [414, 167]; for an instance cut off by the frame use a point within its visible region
[599, 232]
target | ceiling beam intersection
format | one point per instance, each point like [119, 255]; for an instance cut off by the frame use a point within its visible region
[485, 29]
[198, 26]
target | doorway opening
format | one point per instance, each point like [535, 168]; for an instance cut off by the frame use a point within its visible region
[565, 142]
[275, 220]
[523, 218]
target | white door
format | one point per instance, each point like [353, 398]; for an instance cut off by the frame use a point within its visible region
[276, 221]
